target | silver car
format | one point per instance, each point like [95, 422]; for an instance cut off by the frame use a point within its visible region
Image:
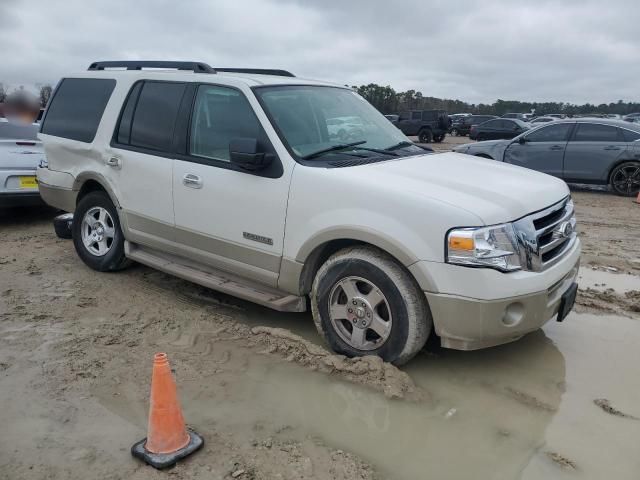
[583, 150]
[20, 154]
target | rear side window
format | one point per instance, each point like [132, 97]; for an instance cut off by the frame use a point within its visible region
[552, 133]
[77, 107]
[630, 136]
[416, 115]
[591, 132]
[155, 115]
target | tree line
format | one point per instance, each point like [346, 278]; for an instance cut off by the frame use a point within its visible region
[388, 101]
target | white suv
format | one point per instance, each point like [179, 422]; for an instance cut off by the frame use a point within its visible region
[231, 179]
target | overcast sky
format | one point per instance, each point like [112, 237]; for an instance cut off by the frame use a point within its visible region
[478, 51]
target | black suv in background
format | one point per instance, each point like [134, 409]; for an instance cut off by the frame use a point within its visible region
[427, 125]
[463, 127]
[498, 129]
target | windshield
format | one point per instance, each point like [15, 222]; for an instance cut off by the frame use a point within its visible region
[314, 120]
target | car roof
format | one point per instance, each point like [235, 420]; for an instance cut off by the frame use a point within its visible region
[249, 79]
[602, 121]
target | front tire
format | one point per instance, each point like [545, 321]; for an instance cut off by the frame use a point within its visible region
[625, 179]
[364, 303]
[97, 235]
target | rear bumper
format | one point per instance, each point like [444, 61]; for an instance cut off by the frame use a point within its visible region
[11, 195]
[58, 197]
[20, 199]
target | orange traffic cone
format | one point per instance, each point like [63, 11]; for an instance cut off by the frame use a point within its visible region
[168, 440]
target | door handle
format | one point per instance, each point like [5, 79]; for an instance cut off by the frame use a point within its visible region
[192, 181]
[556, 147]
[115, 162]
[612, 147]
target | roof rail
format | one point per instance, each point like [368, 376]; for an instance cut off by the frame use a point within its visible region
[197, 67]
[258, 71]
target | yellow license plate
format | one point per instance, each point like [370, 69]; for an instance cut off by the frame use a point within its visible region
[28, 182]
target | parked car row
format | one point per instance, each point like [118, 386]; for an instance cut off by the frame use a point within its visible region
[584, 151]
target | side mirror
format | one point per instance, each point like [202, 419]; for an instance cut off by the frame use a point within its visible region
[522, 140]
[245, 152]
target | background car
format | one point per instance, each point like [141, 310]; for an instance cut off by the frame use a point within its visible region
[427, 125]
[519, 116]
[498, 128]
[392, 118]
[20, 154]
[463, 126]
[539, 120]
[345, 128]
[583, 151]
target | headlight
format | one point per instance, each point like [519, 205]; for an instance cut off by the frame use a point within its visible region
[493, 247]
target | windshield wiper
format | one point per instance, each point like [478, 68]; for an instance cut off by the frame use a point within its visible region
[340, 146]
[402, 144]
[348, 145]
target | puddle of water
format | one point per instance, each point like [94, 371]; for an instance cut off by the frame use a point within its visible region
[495, 413]
[601, 280]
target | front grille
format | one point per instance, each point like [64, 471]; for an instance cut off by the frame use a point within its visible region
[545, 237]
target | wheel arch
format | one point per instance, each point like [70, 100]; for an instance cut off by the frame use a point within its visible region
[318, 249]
[91, 182]
[617, 163]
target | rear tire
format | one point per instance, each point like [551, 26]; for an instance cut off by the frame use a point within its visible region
[364, 303]
[97, 235]
[425, 136]
[625, 179]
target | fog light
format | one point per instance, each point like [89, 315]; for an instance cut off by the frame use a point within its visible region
[513, 314]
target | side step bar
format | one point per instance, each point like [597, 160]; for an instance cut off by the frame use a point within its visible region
[216, 279]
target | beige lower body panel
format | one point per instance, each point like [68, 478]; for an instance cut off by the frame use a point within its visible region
[216, 279]
[469, 324]
[58, 197]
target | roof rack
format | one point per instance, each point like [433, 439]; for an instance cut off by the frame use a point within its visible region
[258, 71]
[196, 67]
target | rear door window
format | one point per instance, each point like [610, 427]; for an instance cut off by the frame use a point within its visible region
[76, 108]
[592, 132]
[155, 115]
[552, 133]
[416, 115]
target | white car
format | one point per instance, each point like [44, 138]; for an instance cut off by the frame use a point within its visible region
[229, 178]
[20, 153]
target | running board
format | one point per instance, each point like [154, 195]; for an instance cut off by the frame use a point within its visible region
[216, 279]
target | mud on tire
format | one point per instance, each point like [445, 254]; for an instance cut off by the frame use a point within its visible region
[404, 303]
[113, 259]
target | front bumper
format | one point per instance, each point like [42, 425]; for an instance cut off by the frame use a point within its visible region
[498, 308]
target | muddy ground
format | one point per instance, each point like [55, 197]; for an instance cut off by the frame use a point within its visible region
[75, 360]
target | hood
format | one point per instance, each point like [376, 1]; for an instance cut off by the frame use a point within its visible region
[493, 191]
[484, 143]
